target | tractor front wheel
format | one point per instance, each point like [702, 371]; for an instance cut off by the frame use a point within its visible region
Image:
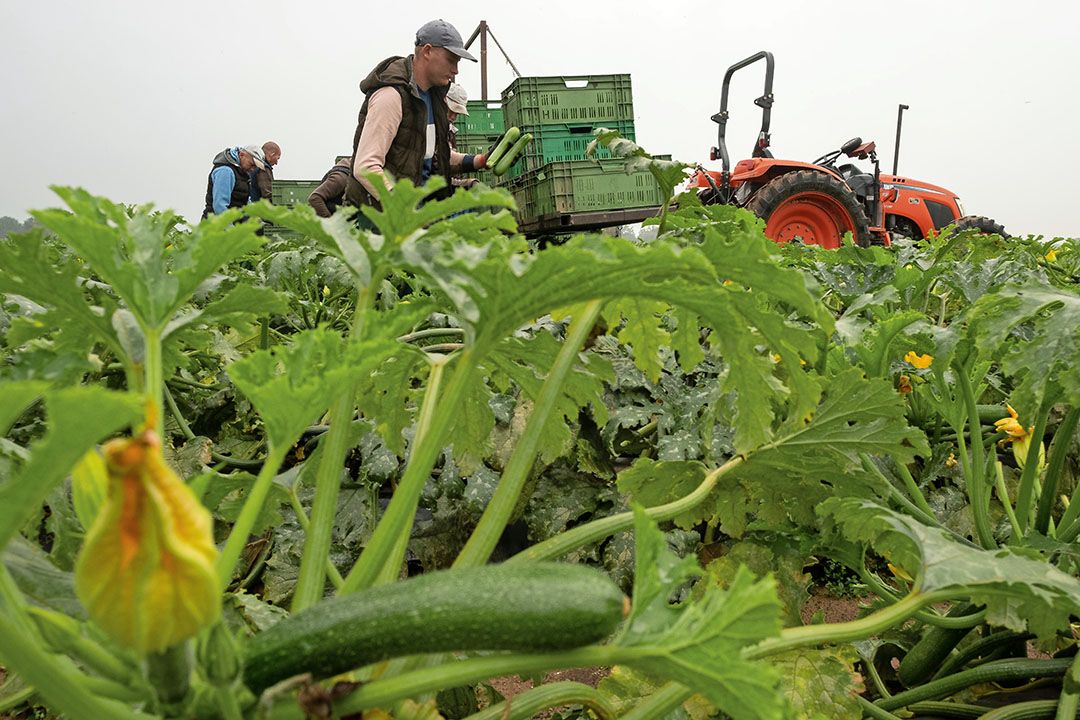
[812, 207]
[984, 225]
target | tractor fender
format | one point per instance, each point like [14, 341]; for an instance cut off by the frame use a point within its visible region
[759, 170]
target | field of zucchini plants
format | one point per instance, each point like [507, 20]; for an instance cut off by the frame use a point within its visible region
[360, 474]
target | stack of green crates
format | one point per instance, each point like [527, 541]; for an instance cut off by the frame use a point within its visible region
[554, 178]
[562, 113]
[566, 188]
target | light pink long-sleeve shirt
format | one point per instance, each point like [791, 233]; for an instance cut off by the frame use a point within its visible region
[381, 126]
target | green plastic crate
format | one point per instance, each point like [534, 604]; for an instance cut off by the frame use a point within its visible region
[485, 118]
[568, 99]
[293, 192]
[581, 187]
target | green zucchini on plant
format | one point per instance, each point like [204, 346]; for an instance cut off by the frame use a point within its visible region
[536, 607]
[508, 139]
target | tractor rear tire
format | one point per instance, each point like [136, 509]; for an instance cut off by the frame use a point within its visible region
[983, 224]
[813, 207]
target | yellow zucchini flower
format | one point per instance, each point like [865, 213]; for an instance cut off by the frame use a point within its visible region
[920, 362]
[146, 571]
[1019, 437]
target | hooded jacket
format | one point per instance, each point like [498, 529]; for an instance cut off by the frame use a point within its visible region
[405, 158]
[241, 192]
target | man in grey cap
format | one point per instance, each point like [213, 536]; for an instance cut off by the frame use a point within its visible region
[403, 128]
[230, 181]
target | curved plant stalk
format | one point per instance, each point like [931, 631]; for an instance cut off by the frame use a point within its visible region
[1029, 478]
[497, 514]
[996, 671]
[385, 692]
[870, 710]
[660, 703]
[564, 542]
[387, 546]
[1059, 451]
[530, 702]
[975, 471]
[874, 623]
[929, 617]
[253, 505]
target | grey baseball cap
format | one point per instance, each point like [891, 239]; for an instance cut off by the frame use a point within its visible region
[439, 33]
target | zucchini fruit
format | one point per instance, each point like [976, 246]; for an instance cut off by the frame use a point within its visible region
[508, 139]
[932, 649]
[533, 607]
[511, 155]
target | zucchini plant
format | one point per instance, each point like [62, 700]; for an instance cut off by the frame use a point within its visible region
[818, 444]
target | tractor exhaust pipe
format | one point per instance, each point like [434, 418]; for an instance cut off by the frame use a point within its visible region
[896, 149]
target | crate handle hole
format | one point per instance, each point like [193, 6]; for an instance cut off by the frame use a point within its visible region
[576, 83]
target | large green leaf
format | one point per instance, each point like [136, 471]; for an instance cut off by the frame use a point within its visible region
[40, 581]
[1045, 354]
[821, 683]
[139, 253]
[699, 643]
[809, 461]
[496, 293]
[526, 361]
[292, 385]
[15, 397]
[241, 305]
[35, 270]
[1020, 589]
[78, 418]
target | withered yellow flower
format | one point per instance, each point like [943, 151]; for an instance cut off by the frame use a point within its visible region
[920, 362]
[1019, 437]
[903, 385]
[146, 571]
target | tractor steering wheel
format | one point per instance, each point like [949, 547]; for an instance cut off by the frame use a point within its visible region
[829, 158]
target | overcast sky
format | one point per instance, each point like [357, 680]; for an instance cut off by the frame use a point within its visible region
[132, 100]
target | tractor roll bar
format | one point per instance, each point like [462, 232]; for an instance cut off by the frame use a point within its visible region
[764, 102]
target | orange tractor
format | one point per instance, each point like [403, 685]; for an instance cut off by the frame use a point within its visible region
[817, 203]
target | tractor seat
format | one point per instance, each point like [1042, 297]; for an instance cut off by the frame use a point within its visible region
[848, 170]
[861, 184]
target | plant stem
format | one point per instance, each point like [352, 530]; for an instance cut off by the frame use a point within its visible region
[436, 415]
[1003, 496]
[312, 579]
[501, 506]
[253, 506]
[530, 702]
[976, 478]
[913, 489]
[1025, 505]
[808, 635]
[870, 710]
[564, 542]
[1059, 450]
[660, 703]
[169, 672]
[380, 693]
[430, 332]
[54, 677]
[302, 521]
[227, 703]
[154, 381]
[1069, 702]
[999, 670]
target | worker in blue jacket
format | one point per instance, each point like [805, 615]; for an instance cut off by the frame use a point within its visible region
[231, 180]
